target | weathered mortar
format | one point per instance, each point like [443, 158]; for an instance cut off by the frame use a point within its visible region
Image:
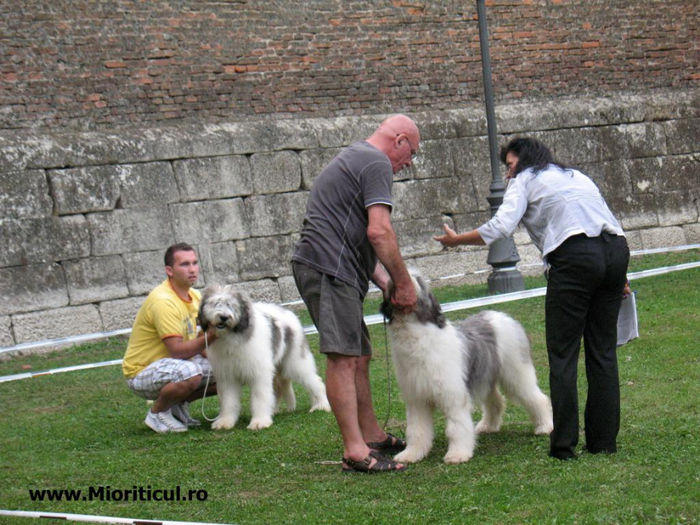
[85, 218]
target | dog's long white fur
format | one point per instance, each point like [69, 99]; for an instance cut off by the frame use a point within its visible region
[261, 345]
[453, 367]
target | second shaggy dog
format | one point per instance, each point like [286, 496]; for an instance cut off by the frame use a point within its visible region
[451, 367]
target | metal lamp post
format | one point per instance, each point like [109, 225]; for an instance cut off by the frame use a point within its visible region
[503, 254]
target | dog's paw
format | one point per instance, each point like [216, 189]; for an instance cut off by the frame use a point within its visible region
[321, 406]
[544, 429]
[259, 424]
[483, 428]
[408, 456]
[223, 423]
[286, 407]
[453, 457]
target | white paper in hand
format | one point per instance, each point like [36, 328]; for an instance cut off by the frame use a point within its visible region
[627, 327]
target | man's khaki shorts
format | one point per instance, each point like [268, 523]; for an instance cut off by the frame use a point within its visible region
[336, 310]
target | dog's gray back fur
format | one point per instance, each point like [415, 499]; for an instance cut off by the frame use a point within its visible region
[275, 336]
[282, 337]
[481, 360]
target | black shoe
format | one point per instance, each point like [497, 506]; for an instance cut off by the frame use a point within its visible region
[564, 455]
[604, 450]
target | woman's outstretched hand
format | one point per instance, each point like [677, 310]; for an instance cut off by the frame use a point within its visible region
[449, 238]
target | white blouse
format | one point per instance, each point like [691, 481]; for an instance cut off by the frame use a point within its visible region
[553, 205]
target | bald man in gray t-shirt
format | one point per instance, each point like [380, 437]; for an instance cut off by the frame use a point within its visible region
[347, 240]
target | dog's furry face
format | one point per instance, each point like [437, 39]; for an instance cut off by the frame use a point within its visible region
[427, 309]
[225, 308]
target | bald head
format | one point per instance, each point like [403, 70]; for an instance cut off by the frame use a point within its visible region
[398, 137]
[397, 124]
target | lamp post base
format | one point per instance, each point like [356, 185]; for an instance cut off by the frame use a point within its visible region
[505, 277]
[504, 280]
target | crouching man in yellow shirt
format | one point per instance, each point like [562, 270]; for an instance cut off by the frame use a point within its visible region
[165, 360]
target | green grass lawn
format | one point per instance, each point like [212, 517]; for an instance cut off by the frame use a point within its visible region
[84, 429]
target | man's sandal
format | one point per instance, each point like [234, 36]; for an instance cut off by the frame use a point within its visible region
[390, 445]
[381, 464]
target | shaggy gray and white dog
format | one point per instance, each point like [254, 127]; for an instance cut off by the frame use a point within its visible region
[453, 366]
[260, 345]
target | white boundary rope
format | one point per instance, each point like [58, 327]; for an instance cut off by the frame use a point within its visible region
[65, 340]
[125, 331]
[27, 375]
[96, 519]
[378, 318]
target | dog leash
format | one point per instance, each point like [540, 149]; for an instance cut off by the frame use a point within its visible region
[388, 375]
[206, 385]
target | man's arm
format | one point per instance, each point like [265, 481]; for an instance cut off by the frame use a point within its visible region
[383, 239]
[181, 349]
[380, 277]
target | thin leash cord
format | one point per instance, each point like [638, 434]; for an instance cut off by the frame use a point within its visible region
[388, 375]
[206, 385]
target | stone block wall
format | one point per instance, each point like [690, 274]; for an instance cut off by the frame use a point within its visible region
[85, 217]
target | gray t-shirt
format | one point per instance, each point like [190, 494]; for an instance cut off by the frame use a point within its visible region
[334, 236]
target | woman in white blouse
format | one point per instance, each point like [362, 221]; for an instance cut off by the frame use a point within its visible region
[586, 255]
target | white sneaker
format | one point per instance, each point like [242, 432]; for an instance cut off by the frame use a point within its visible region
[181, 412]
[164, 422]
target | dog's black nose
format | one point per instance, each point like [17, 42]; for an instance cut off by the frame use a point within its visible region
[223, 318]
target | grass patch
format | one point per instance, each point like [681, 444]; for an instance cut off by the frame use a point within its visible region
[85, 429]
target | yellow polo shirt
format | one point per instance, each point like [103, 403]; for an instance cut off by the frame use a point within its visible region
[164, 314]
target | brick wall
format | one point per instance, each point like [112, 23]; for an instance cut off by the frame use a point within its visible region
[95, 65]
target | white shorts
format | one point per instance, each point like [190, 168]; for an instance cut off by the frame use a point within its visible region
[155, 376]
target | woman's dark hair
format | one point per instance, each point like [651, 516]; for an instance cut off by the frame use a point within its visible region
[169, 258]
[531, 154]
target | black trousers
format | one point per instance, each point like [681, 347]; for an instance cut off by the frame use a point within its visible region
[584, 291]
